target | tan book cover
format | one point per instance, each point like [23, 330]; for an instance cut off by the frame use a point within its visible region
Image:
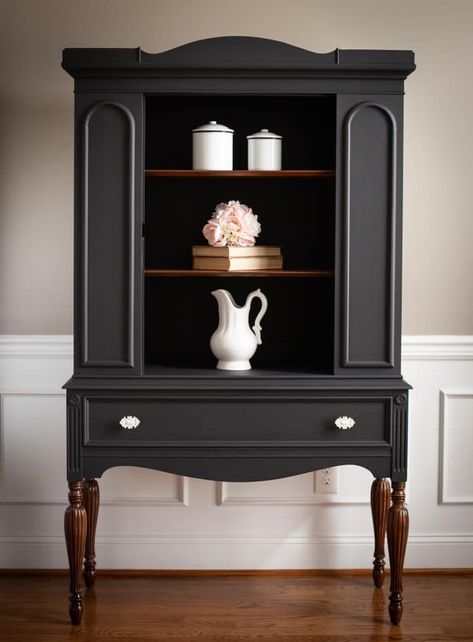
[230, 252]
[237, 263]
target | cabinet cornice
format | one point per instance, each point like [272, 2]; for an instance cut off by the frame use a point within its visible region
[230, 55]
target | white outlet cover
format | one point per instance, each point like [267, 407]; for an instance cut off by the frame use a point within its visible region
[326, 481]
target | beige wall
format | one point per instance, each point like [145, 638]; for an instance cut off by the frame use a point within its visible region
[36, 133]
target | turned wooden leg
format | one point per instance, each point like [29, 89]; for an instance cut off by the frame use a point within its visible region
[398, 528]
[380, 500]
[75, 527]
[91, 503]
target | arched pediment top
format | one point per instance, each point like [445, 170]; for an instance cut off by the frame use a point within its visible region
[238, 51]
[233, 53]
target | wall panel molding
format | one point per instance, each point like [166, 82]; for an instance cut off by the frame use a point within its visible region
[181, 497]
[456, 447]
[225, 525]
[312, 498]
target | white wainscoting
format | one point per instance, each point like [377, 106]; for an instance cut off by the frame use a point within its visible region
[155, 520]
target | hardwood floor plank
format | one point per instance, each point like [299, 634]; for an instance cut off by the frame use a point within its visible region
[236, 609]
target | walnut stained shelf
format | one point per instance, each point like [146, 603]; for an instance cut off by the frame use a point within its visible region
[276, 273]
[240, 173]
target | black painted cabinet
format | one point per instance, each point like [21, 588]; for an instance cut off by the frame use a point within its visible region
[143, 318]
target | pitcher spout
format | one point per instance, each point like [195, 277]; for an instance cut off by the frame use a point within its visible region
[227, 309]
[224, 298]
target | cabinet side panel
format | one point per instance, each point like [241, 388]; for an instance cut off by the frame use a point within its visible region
[109, 192]
[370, 139]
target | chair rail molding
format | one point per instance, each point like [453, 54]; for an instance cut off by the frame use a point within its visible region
[428, 346]
[36, 345]
[437, 347]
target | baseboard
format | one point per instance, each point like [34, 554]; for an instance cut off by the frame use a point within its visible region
[237, 553]
[281, 572]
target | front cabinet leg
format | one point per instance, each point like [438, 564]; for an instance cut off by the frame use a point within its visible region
[91, 503]
[75, 527]
[380, 500]
[398, 528]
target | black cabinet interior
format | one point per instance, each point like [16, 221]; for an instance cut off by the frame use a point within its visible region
[181, 314]
[297, 214]
[306, 123]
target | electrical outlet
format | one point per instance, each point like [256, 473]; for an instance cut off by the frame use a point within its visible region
[326, 481]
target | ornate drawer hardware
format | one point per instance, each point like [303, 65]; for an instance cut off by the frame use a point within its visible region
[129, 422]
[345, 423]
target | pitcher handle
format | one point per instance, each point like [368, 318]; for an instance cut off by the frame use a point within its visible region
[257, 294]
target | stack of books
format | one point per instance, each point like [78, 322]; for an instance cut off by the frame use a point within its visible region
[234, 259]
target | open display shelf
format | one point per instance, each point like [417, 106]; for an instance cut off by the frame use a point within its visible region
[296, 209]
[301, 274]
[240, 173]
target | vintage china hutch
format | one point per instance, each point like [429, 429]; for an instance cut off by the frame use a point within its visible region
[143, 317]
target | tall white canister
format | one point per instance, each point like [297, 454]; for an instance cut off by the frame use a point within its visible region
[264, 150]
[212, 146]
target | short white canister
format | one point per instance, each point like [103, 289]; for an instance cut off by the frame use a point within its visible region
[264, 150]
[212, 146]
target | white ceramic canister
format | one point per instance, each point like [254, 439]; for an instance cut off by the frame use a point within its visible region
[212, 146]
[264, 150]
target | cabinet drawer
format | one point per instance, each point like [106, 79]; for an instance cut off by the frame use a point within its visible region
[217, 420]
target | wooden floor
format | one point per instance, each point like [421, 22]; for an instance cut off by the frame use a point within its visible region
[438, 608]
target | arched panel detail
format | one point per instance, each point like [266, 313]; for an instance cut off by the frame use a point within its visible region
[107, 236]
[369, 236]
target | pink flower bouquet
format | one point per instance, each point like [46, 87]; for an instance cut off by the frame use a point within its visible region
[232, 223]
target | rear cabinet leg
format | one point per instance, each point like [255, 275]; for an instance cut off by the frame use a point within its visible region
[398, 528]
[91, 503]
[380, 500]
[75, 527]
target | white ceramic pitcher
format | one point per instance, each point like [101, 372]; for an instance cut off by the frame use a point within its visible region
[234, 342]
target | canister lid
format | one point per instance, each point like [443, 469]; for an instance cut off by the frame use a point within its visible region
[213, 126]
[264, 133]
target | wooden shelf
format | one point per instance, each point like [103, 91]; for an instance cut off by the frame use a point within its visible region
[190, 371]
[261, 273]
[240, 173]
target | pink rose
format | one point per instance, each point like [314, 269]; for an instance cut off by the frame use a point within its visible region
[213, 233]
[250, 227]
[233, 224]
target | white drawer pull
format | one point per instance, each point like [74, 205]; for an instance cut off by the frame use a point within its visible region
[129, 422]
[344, 423]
